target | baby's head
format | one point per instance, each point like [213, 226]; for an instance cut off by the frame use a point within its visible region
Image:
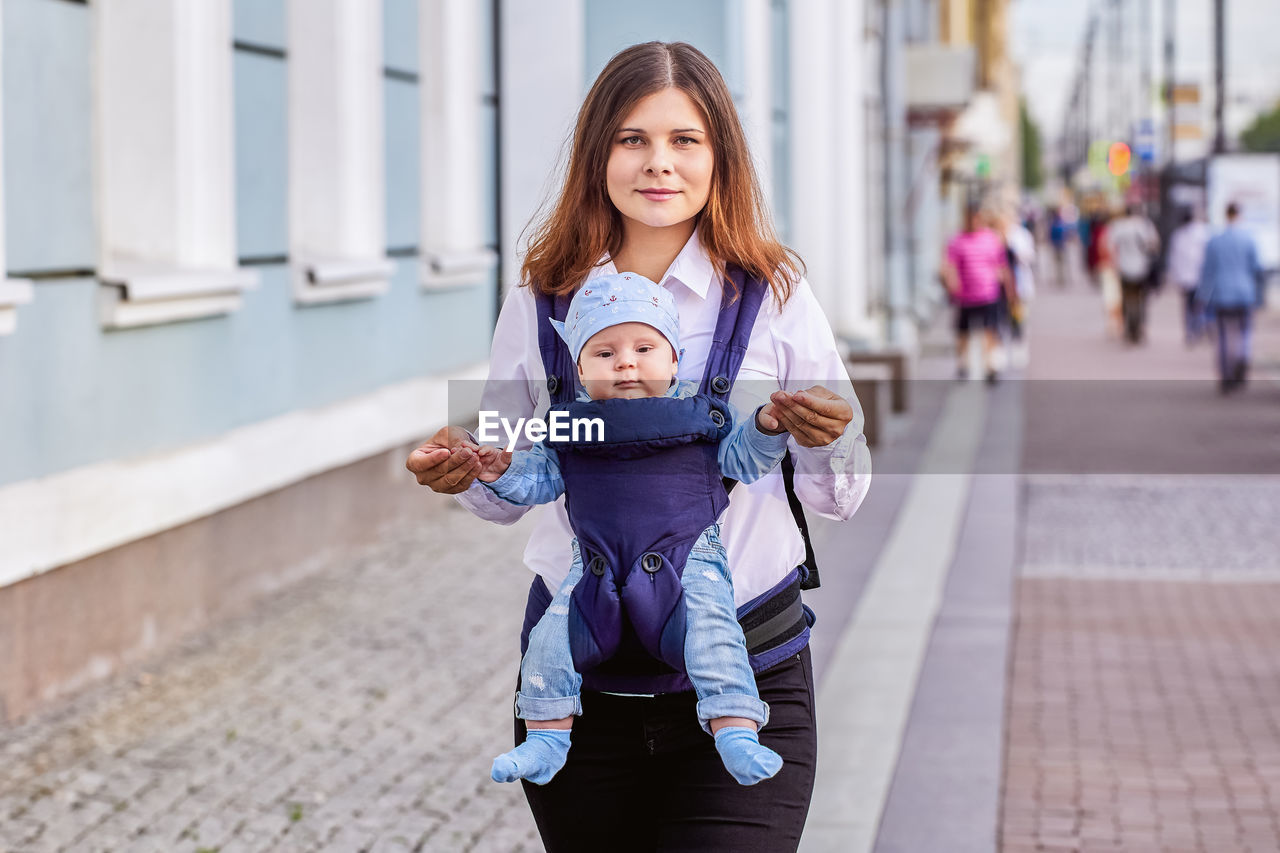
[623, 331]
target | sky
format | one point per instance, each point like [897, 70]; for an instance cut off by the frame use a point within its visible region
[1046, 38]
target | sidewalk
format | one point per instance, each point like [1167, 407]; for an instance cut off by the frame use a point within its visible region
[1146, 668]
[358, 710]
[1125, 518]
[1017, 647]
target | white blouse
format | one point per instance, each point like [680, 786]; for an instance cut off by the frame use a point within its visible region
[791, 348]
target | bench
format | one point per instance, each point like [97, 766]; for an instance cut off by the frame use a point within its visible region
[896, 361]
[871, 382]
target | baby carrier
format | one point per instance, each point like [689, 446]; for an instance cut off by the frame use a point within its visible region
[627, 615]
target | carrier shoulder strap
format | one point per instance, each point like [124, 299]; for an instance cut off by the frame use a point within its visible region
[733, 334]
[562, 378]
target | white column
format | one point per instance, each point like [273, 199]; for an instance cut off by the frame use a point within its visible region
[757, 77]
[337, 210]
[813, 154]
[540, 90]
[453, 249]
[849, 315]
[13, 292]
[874, 205]
[164, 169]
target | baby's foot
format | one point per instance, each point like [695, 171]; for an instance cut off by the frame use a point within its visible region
[537, 759]
[744, 757]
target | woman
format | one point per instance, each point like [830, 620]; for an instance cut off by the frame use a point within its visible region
[660, 183]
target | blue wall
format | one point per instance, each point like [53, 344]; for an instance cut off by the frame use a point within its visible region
[76, 394]
[47, 159]
[612, 26]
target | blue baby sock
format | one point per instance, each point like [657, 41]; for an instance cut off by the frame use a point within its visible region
[537, 759]
[744, 757]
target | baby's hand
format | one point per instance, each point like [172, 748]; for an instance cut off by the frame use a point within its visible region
[493, 463]
[767, 420]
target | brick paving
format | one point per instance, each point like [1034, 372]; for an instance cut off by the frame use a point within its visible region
[357, 710]
[1144, 700]
[1144, 716]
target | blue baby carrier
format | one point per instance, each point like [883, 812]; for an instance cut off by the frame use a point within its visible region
[627, 613]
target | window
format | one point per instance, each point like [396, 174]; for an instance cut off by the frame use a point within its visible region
[163, 168]
[13, 292]
[454, 246]
[337, 217]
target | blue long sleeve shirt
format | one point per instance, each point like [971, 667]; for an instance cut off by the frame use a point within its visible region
[746, 454]
[1231, 272]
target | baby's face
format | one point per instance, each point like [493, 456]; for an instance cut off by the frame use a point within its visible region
[628, 360]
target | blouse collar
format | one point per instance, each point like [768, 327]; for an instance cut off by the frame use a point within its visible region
[691, 268]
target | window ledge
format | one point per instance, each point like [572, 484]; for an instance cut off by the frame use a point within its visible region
[337, 281]
[13, 292]
[463, 268]
[132, 298]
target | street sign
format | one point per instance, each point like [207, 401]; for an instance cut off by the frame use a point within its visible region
[1118, 158]
[1187, 117]
[1144, 140]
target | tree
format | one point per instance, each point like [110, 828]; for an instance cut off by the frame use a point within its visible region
[1032, 177]
[1264, 133]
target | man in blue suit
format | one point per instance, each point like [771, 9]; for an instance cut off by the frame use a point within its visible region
[1231, 283]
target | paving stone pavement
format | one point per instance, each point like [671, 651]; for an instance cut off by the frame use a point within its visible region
[357, 710]
[1144, 697]
[1171, 526]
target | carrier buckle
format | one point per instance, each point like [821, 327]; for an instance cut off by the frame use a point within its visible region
[596, 566]
[651, 563]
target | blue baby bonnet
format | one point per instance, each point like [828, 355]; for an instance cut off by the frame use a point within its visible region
[624, 297]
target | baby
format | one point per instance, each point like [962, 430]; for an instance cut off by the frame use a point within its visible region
[623, 333]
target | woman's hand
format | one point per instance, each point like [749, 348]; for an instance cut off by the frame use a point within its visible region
[815, 417]
[448, 463]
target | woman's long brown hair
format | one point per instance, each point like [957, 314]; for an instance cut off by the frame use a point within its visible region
[734, 226]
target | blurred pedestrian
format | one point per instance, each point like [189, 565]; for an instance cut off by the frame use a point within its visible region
[1107, 277]
[974, 272]
[1031, 221]
[1020, 246]
[1132, 242]
[1231, 284]
[1059, 229]
[1186, 256]
[1090, 227]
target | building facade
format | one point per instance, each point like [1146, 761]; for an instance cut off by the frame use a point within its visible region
[250, 244]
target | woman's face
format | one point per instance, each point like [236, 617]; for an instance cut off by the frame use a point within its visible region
[660, 161]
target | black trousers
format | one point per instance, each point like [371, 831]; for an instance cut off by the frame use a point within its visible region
[1133, 303]
[643, 776]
